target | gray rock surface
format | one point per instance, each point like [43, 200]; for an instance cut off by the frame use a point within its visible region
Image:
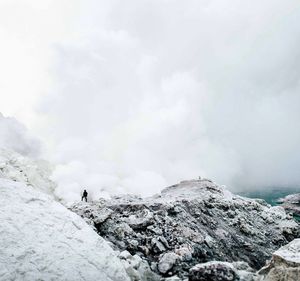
[167, 262]
[284, 265]
[222, 271]
[197, 221]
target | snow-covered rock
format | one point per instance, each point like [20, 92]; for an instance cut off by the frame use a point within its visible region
[291, 203]
[222, 271]
[284, 265]
[41, 240]
[167, 262]
[213, 271]
[32, 172]
[137, 268]
[197, 221]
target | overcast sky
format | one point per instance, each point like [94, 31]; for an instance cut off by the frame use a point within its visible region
[131, 96]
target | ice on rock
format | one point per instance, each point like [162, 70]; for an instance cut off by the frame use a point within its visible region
[42, 240]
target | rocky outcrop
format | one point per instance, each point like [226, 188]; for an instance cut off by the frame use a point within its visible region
[291, 204]
[284, 265]
[190, 223]
[222, 271]
[213, 271]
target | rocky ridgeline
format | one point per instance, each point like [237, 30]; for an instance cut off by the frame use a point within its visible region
[192, 229]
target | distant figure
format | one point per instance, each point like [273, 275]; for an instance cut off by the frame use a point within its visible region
[84, 195]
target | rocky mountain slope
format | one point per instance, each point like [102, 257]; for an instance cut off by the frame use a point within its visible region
[40, 238]
[189, 223]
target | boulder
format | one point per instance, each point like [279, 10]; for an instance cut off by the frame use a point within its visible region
[137, 268]
[284, 265]
[167, 262]
[213, 271]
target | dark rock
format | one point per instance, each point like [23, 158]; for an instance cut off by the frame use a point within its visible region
[156, 246]
[213, 271]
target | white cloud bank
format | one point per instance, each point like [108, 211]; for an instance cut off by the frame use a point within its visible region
[146, 93]
[15, 136]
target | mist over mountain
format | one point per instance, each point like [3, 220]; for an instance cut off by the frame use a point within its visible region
[150, 140]
[132, 97]
[15, 136]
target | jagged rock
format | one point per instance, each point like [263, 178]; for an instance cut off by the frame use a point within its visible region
[185, 253]
[291, 203]
[157, 246]
[284, 265]
[197, 220]
[222, 271]
[140, 219]
[103, 216]
[124, 255]
[166, 262]
[245, 272]
[213, 271]
[136, 268]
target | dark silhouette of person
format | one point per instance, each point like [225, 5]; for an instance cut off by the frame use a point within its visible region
[84, 195]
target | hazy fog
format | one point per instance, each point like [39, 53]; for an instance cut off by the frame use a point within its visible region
[130, 96]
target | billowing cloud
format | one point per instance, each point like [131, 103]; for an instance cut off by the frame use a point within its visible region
[15, 136]
[146, 93]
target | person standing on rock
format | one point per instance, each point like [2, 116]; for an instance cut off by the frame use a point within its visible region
[84, 195]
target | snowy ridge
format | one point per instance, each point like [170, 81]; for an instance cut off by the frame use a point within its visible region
[42, 240]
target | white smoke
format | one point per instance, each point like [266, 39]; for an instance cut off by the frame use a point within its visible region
[14, 136]
[146, 93]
